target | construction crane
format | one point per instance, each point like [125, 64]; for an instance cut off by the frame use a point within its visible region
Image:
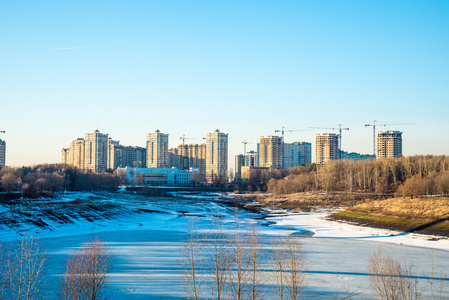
[244, 146]
[283, 130]
[183, 138]
[340, 129]
[374, 131]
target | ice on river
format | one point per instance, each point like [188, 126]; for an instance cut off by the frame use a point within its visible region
[145, 246]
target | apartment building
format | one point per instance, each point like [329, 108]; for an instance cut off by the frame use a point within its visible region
[270, 151]
[96, 151]
[389, 144]
[157, 150]
[326, 147]
[216, 156]
[297, 153]
[2, 153]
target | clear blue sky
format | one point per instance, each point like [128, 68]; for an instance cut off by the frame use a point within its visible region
[245, 67]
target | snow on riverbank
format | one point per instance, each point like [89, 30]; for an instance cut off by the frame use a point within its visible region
[322, 228]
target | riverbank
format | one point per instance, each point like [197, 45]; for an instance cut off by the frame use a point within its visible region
[422, 215]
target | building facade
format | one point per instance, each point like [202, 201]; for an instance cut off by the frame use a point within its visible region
[96, 151]
[270, 152]
[389, 144]
[326, 147]
[157, 150]
[126, 156]
[2, 153]
[155, 176]
[297, 153]
[216, 156]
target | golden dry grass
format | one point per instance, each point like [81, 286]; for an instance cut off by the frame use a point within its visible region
[418, 209]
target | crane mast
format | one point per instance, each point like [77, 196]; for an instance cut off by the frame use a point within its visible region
[374, 124]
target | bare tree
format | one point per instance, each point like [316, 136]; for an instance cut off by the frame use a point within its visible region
[255, 276]
[24, 269]
[296, 265]
[86, 272]
[392, 280]
[218, 257]
[436, 280]
[279, 265]
[191, 252]
[239, 259]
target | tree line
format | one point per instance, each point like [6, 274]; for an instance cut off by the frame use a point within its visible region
[54, 178]
[403, 176]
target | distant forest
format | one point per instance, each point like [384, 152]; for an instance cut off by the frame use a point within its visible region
[55, 178]
[405, 176]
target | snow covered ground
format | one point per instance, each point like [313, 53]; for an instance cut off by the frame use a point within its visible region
[144, 235]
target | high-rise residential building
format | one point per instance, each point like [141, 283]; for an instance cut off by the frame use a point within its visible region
[96, 151]
[77, 154]
[157, 150]
[326, 147]
[216, 156]
[65, 155]
[245, 160]
[184, 158]
[202, 155]
[239, 163]
[270, 151]
[250, 159]
[297, 153]
[173, 158]
[126, 156]
[389, 144]
[2, 153]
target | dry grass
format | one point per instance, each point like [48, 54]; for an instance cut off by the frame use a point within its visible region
[417, 209]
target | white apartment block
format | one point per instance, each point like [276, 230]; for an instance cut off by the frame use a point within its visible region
[326, 147]
[216, 156]
[389, 144]
[157, 150]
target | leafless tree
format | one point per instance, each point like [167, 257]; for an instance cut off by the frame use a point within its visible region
[24, 269]
[392, 280]
[218, 257]
[436, 280]
[86, 272]
[279, 265]
[255, 255]
[296, 265]
[239, 260]
[191, 259]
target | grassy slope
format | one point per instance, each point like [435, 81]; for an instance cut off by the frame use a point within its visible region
[402, 214]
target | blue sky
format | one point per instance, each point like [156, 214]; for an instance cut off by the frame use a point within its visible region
[245, 67]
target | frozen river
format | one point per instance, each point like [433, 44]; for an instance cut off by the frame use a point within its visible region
[145, 247]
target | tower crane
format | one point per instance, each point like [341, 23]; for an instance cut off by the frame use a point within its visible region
[244, 146]
[290, 130]
[183, 138]
[340, 129]
[374, 131]
[283, 130]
